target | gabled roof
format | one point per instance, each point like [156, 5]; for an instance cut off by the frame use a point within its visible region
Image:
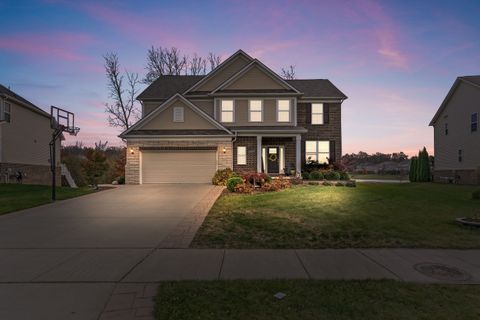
[472, 80]
[7, 93]
[164, 106]
[221, 66]
[166, 86]
[314, 88]
[267, 70]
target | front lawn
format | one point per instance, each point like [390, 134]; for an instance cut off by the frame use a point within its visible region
[14, 197]
[371, 215]
[309, 299]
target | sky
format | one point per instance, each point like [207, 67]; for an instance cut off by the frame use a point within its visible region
[395, 60]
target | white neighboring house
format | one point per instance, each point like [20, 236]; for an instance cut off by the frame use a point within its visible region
[25, 135]
[457, 133]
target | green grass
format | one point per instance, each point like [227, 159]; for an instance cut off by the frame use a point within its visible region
[379, 176]
[371, 215]
[14, 197]
[309, 299]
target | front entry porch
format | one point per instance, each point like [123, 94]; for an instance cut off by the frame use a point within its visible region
[278, 155]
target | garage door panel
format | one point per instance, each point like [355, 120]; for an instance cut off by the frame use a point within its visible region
[178, 166]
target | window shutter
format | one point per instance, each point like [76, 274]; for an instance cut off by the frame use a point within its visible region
[332, 152]
[326, 113]
[308, 113]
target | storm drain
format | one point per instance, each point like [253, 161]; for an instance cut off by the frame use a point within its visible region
[442, 272]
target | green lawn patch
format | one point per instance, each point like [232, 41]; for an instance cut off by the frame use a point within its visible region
[374, 176]
[309, 299]
[371, 215]
[14, 197]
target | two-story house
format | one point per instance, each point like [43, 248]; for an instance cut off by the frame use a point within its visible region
[241, 115]
[25, 134]
[456, 133]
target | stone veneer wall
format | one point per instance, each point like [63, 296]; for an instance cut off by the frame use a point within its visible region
[457, 176]
[251, 144]
[132, 168]
[32, 174]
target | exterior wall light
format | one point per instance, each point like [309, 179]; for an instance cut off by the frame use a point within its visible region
[224, 150]
[131, 151]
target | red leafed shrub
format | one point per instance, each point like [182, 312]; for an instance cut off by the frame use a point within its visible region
[256, 178]
[276, 184]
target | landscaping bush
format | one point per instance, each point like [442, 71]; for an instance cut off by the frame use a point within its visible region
[276, 184]
[327, 183]
[296, 181]
[476, 195]
[256, 178]
[243, 188]
[305, 175]
[121, 180]
[344, 175]
[313, 165]
[316, 175]
[233, 182]
[340, 184]
[221, 176]
[332, 175]
[351, 184]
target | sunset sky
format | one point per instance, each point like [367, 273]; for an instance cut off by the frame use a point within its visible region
[395, 60]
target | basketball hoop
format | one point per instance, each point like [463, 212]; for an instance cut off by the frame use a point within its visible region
[60, 121]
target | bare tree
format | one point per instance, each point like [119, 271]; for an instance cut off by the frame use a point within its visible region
[214, 60]
[101, 146]
[123, 110]
[164, 61]
[197, 65]
[289, 72]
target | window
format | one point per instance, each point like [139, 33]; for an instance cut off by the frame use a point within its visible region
[317, 113]
[446, 129]
[255, 109]
[7, 112]
[241, 155]
[460, 155]
[226, 110]
[178, 114]
[317, 151]
[283, 110]
[474, 122]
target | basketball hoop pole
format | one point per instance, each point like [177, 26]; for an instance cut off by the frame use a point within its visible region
[61, 121]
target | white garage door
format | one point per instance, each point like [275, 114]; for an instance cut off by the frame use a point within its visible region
[161, 166]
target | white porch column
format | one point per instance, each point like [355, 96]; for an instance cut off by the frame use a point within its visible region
[259, 153]
[298, 145]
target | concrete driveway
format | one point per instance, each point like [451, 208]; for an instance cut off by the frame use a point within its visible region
[62, 260]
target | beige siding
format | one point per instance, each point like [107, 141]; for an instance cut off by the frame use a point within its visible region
[204, 105]
[255, 78]
[269, 112]
[464, 102]
[192, 120]
[149, 106]
[25, 140]
[236, 65]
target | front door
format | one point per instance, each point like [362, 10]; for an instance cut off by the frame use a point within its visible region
[273, 160]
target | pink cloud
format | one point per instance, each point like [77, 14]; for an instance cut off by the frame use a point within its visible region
[64, 46]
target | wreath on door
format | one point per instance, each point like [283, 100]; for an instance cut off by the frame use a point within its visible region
[272, 157]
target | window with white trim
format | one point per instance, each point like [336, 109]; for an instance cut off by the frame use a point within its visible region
[178, 114]
[283, 110]
[255, 110]
[226, 110]
[317, 113]
[7, 112]
[241, 155]
[474, 122]
[317, 151]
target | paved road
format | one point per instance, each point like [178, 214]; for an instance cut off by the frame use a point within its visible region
[62, 260]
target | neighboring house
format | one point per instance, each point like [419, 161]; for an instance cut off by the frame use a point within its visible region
[241, 115]
[25, 135]
[457, 133]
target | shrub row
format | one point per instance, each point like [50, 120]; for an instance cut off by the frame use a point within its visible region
[248, 182]
[326, 174]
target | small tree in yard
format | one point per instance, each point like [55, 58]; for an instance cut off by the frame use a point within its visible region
[94, 166]
[413, 169]
[420, 167]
